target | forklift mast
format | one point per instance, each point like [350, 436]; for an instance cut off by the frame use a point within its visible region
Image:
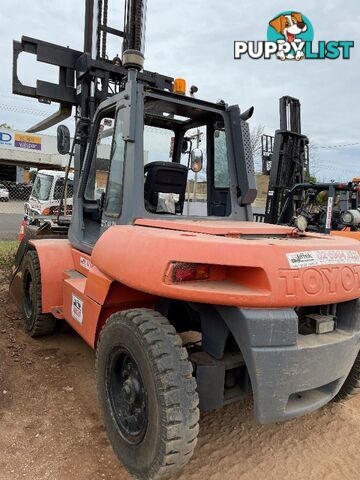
[288, 159]
[89, 77]
[267, 148]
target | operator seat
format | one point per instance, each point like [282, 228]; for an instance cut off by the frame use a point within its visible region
[165, 177]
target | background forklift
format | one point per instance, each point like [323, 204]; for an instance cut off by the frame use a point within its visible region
[291, 200]
[323, 207]
[184, 311]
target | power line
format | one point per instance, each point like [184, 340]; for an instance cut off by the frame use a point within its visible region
[340, 145]
[24, 109]
[17, 97]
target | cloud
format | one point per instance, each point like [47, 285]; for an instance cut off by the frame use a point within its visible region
[195, 40]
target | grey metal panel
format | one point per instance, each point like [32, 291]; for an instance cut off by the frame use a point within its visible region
[210, 376]
[292, 379]
[245, 179]
[249, 158]
[64, 94]
[214, 331]
[210, 386]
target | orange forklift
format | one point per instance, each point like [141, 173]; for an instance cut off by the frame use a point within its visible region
[189, 305]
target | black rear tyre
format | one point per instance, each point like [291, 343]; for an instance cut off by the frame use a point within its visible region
[36, 323]
[147, 393]
[351, 386]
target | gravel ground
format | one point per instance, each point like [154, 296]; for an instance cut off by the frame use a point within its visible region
[50, 426]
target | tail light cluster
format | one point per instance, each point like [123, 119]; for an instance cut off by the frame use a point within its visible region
[55, 210]
[189, 272]
[250, 278]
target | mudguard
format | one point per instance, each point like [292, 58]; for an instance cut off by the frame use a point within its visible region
[55, 256]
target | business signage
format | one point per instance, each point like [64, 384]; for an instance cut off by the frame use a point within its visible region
[30, 142]
[6, 138]
[11, 139]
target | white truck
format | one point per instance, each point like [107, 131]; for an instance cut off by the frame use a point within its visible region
[46, 194]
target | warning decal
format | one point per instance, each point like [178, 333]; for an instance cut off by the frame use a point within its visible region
[77, 309]
[84, 262]
[317, 258]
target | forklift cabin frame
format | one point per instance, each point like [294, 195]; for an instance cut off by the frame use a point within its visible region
[233, 202]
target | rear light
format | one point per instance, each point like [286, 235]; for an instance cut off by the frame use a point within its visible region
[55, 210]
[189, 272]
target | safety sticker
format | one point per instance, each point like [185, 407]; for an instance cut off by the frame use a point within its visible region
[315, 258]
[77, 309]
[84, 262]
[329, 212]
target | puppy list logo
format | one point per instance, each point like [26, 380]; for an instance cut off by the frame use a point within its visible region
[290, 36]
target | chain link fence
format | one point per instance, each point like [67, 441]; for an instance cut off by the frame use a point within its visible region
[13, 195]
[12, 198]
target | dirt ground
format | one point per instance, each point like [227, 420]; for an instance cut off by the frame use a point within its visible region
[50, 426]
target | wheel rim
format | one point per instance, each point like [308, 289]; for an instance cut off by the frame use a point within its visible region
[127, 395]
[28, 294]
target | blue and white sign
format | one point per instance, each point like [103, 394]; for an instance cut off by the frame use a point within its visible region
[6, 138]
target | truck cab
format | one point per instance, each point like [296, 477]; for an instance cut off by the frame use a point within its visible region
[46, 194]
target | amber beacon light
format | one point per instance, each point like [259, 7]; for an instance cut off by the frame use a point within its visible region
[180, 86]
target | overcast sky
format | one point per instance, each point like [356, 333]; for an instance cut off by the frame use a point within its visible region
[194, 40]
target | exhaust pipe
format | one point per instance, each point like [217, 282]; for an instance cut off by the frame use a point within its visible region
[134, 40]
[247, 114]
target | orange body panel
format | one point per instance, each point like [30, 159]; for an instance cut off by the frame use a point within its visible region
[85, 323]
[141, 257]
[219, 227]
[68, 276]
[82, 261]
[354, 235]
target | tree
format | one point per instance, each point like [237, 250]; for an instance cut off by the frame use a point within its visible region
[311, 179]
[221, 165]
[314, 157]
[255, 140]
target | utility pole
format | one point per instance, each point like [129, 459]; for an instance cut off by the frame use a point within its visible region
[193, 89]
[197, 136]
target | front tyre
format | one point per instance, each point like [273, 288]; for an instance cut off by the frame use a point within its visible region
[147, 393]
[36, 323]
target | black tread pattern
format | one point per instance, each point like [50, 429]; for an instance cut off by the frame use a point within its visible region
[351, 386]
[42, 324]
[178, 395]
